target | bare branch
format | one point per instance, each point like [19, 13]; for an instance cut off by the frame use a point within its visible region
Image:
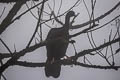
[97, 19]
[65, 62]
[2, 12]
[38, 23]
[84, 52]
[6, 22]
[6, 46]
[32, 48]
[9, 1]
[14, 10]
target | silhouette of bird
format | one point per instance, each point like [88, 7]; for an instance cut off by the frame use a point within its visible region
[57, 46]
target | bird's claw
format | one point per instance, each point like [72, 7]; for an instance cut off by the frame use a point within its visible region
[72, 41]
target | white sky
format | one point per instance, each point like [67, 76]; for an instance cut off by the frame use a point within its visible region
[20, 32]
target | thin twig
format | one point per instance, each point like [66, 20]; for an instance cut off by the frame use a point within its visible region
[37, 26]
[2, 12]
[96, 19]
[6, 46]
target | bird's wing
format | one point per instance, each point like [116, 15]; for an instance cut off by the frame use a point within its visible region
[53, 33]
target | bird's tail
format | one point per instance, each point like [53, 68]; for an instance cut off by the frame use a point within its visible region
[52, 69]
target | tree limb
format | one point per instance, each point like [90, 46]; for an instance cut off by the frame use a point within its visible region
[97, 19]
[6, 22]
[9, 1]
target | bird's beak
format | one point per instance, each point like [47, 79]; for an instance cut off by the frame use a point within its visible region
[77, 14]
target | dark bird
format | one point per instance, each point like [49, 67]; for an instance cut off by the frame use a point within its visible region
[56, 48]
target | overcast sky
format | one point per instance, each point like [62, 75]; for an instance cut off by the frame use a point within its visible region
[20, 32]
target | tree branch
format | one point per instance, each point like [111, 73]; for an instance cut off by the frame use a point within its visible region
[6, 22]
[9, 1]
[64, 62]
[32, 48]
[88, 51]
[17, 55]
[38, 23]
[97, 19]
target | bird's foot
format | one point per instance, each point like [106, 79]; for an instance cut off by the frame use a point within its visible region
[67, 58]
[72, 41]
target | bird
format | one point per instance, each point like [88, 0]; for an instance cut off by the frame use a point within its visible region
[56, 47]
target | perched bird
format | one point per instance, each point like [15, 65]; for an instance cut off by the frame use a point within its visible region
[56, 48]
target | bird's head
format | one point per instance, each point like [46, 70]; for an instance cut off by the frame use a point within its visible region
[70, 14]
